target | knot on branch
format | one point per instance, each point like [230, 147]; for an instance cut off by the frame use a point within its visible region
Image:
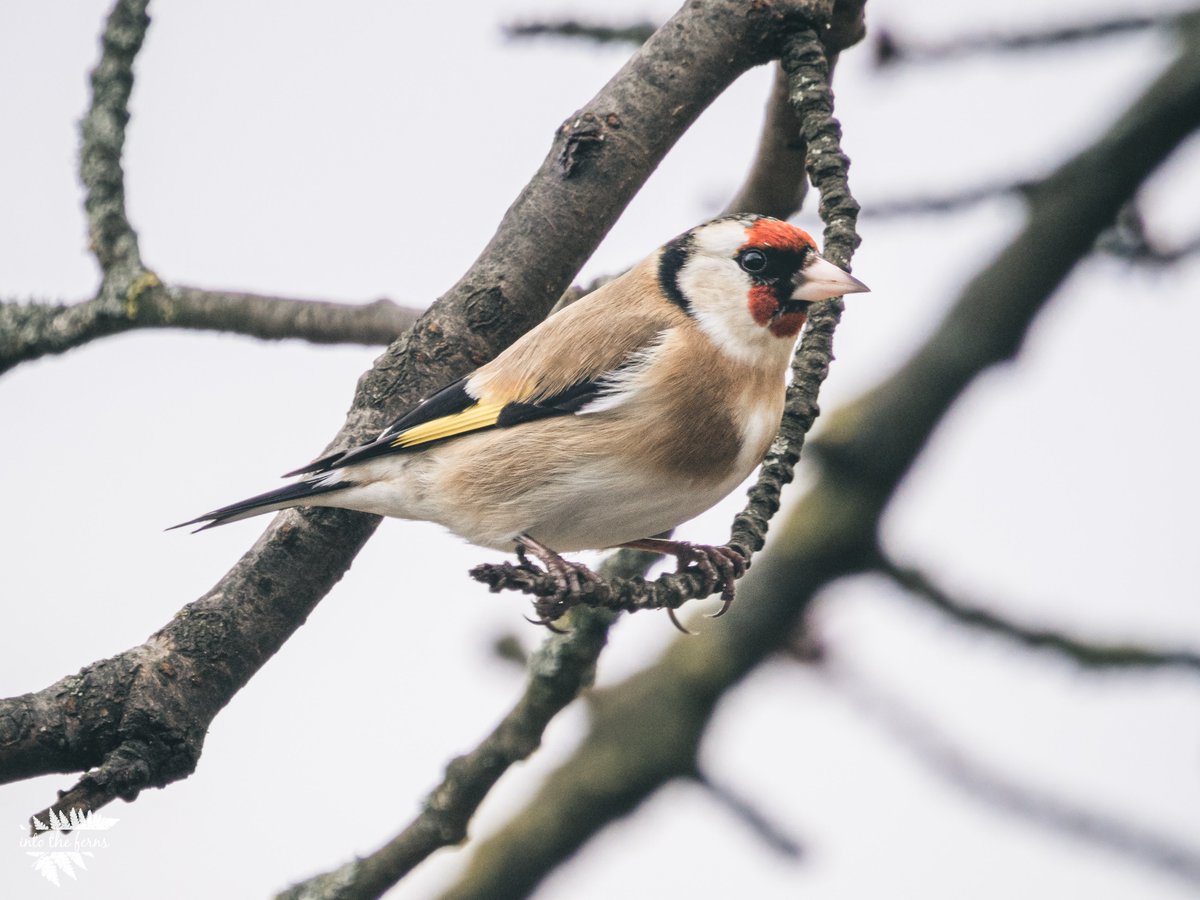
[582, 137]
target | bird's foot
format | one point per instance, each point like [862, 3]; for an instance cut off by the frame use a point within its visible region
[719, 566]
[569, 577]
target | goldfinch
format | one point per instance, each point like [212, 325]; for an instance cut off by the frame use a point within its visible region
[618, 418]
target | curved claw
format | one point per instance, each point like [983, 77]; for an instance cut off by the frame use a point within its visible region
[725, 604]
[545, 623]
[679, 626]
[569, 580]
[720, 566]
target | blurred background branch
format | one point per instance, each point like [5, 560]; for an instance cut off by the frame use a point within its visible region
[891, 49]
[636, 33]
[1126, 239]
[1086, 654]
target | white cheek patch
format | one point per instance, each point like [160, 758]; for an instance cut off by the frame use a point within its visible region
[720, 239]
[718, 294]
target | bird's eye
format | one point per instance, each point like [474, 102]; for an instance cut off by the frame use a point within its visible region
[753, 261]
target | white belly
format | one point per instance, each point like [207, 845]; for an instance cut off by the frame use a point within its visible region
[599, 509]
[589, 506]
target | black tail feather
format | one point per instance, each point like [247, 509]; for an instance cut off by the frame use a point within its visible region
[262, 503]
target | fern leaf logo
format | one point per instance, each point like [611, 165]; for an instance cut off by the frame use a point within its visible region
[69, 849]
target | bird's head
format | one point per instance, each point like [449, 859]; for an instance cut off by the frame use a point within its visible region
[749, 280]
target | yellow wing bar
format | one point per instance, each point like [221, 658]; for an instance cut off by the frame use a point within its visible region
[473, 418]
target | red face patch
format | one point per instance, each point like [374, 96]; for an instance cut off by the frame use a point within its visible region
[763, 304]
[774, 233]
[788, 325]
[764, 309]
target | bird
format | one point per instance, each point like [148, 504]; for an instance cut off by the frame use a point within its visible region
[614, 420]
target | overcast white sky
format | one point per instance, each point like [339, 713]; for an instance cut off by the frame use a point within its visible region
[286, 148]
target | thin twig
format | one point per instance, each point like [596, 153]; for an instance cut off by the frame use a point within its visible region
[32, 330]
[772, 834]
[1087, 654]
[112, 238]
[1125, 239]
[636, 33]
[946, 202]
[891, 50]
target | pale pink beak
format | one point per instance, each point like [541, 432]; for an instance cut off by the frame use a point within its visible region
[821, 279]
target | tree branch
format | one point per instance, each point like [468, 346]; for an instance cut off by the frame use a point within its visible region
[1088, 655]
[139, 718]
[1067, 212]
[31, 330]
[131, 296]
[776, 183]
[832, 530]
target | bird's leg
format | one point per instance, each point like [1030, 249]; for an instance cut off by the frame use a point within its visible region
[523, 560]
[567, 579]
[719, 566]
